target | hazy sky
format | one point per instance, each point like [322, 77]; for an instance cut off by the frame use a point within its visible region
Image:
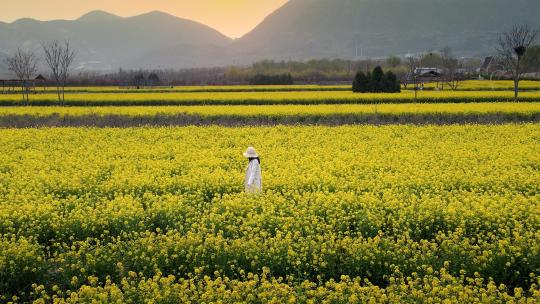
[231, 17]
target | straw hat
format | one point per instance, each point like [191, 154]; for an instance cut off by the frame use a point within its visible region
[251, 153]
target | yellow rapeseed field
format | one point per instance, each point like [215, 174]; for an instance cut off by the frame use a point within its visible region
[265, 98]
[492, 85]
[276, 110]
[353, 214]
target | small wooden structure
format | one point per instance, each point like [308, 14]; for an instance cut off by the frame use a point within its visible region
[10, 86]
[423, 75]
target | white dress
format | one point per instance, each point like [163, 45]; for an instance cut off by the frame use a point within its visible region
[253, 182]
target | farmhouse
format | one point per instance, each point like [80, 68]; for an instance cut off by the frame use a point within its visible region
[428, 72]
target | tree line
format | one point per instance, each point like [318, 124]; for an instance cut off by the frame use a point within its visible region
[262, 79]
[58, 57]
[324, 71]
[516, 54]
[140, 80]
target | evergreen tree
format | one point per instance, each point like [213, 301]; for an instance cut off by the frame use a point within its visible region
[386, 83]
[282, 79]
[368, 84]
[360, 83]
[396, 84]
[377, 76]
[376, 82]
[356, 83]
[390, 83]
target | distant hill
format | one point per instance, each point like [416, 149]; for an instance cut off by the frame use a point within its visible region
[303, 29]
[105, 41]
[299, 30]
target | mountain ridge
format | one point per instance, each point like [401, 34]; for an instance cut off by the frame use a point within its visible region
[97, 15]
[299, 30]
[106, 42]
[377, 28]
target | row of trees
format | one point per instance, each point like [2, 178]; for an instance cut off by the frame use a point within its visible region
[376, 82]
[453, 69]
[516, 54]
[261, 79]
[58, 57]
[139, 80]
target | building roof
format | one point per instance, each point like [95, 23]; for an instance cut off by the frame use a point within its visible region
[487, 63]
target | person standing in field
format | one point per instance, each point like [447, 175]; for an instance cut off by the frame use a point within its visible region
[253, 181]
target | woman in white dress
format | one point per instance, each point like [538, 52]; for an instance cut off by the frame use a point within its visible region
[253, 181]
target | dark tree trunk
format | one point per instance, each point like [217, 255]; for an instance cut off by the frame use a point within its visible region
[22, 91]
[58, 93]
[516, 88]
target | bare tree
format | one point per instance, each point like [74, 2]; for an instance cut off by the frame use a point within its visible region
[23, 64]
[450, 66]
[413, 63]
[59, 58]
[511, 48]
[53, 52]
[65, 63]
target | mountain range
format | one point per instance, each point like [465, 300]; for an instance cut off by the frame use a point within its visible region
[299, 30]
[104, 41]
